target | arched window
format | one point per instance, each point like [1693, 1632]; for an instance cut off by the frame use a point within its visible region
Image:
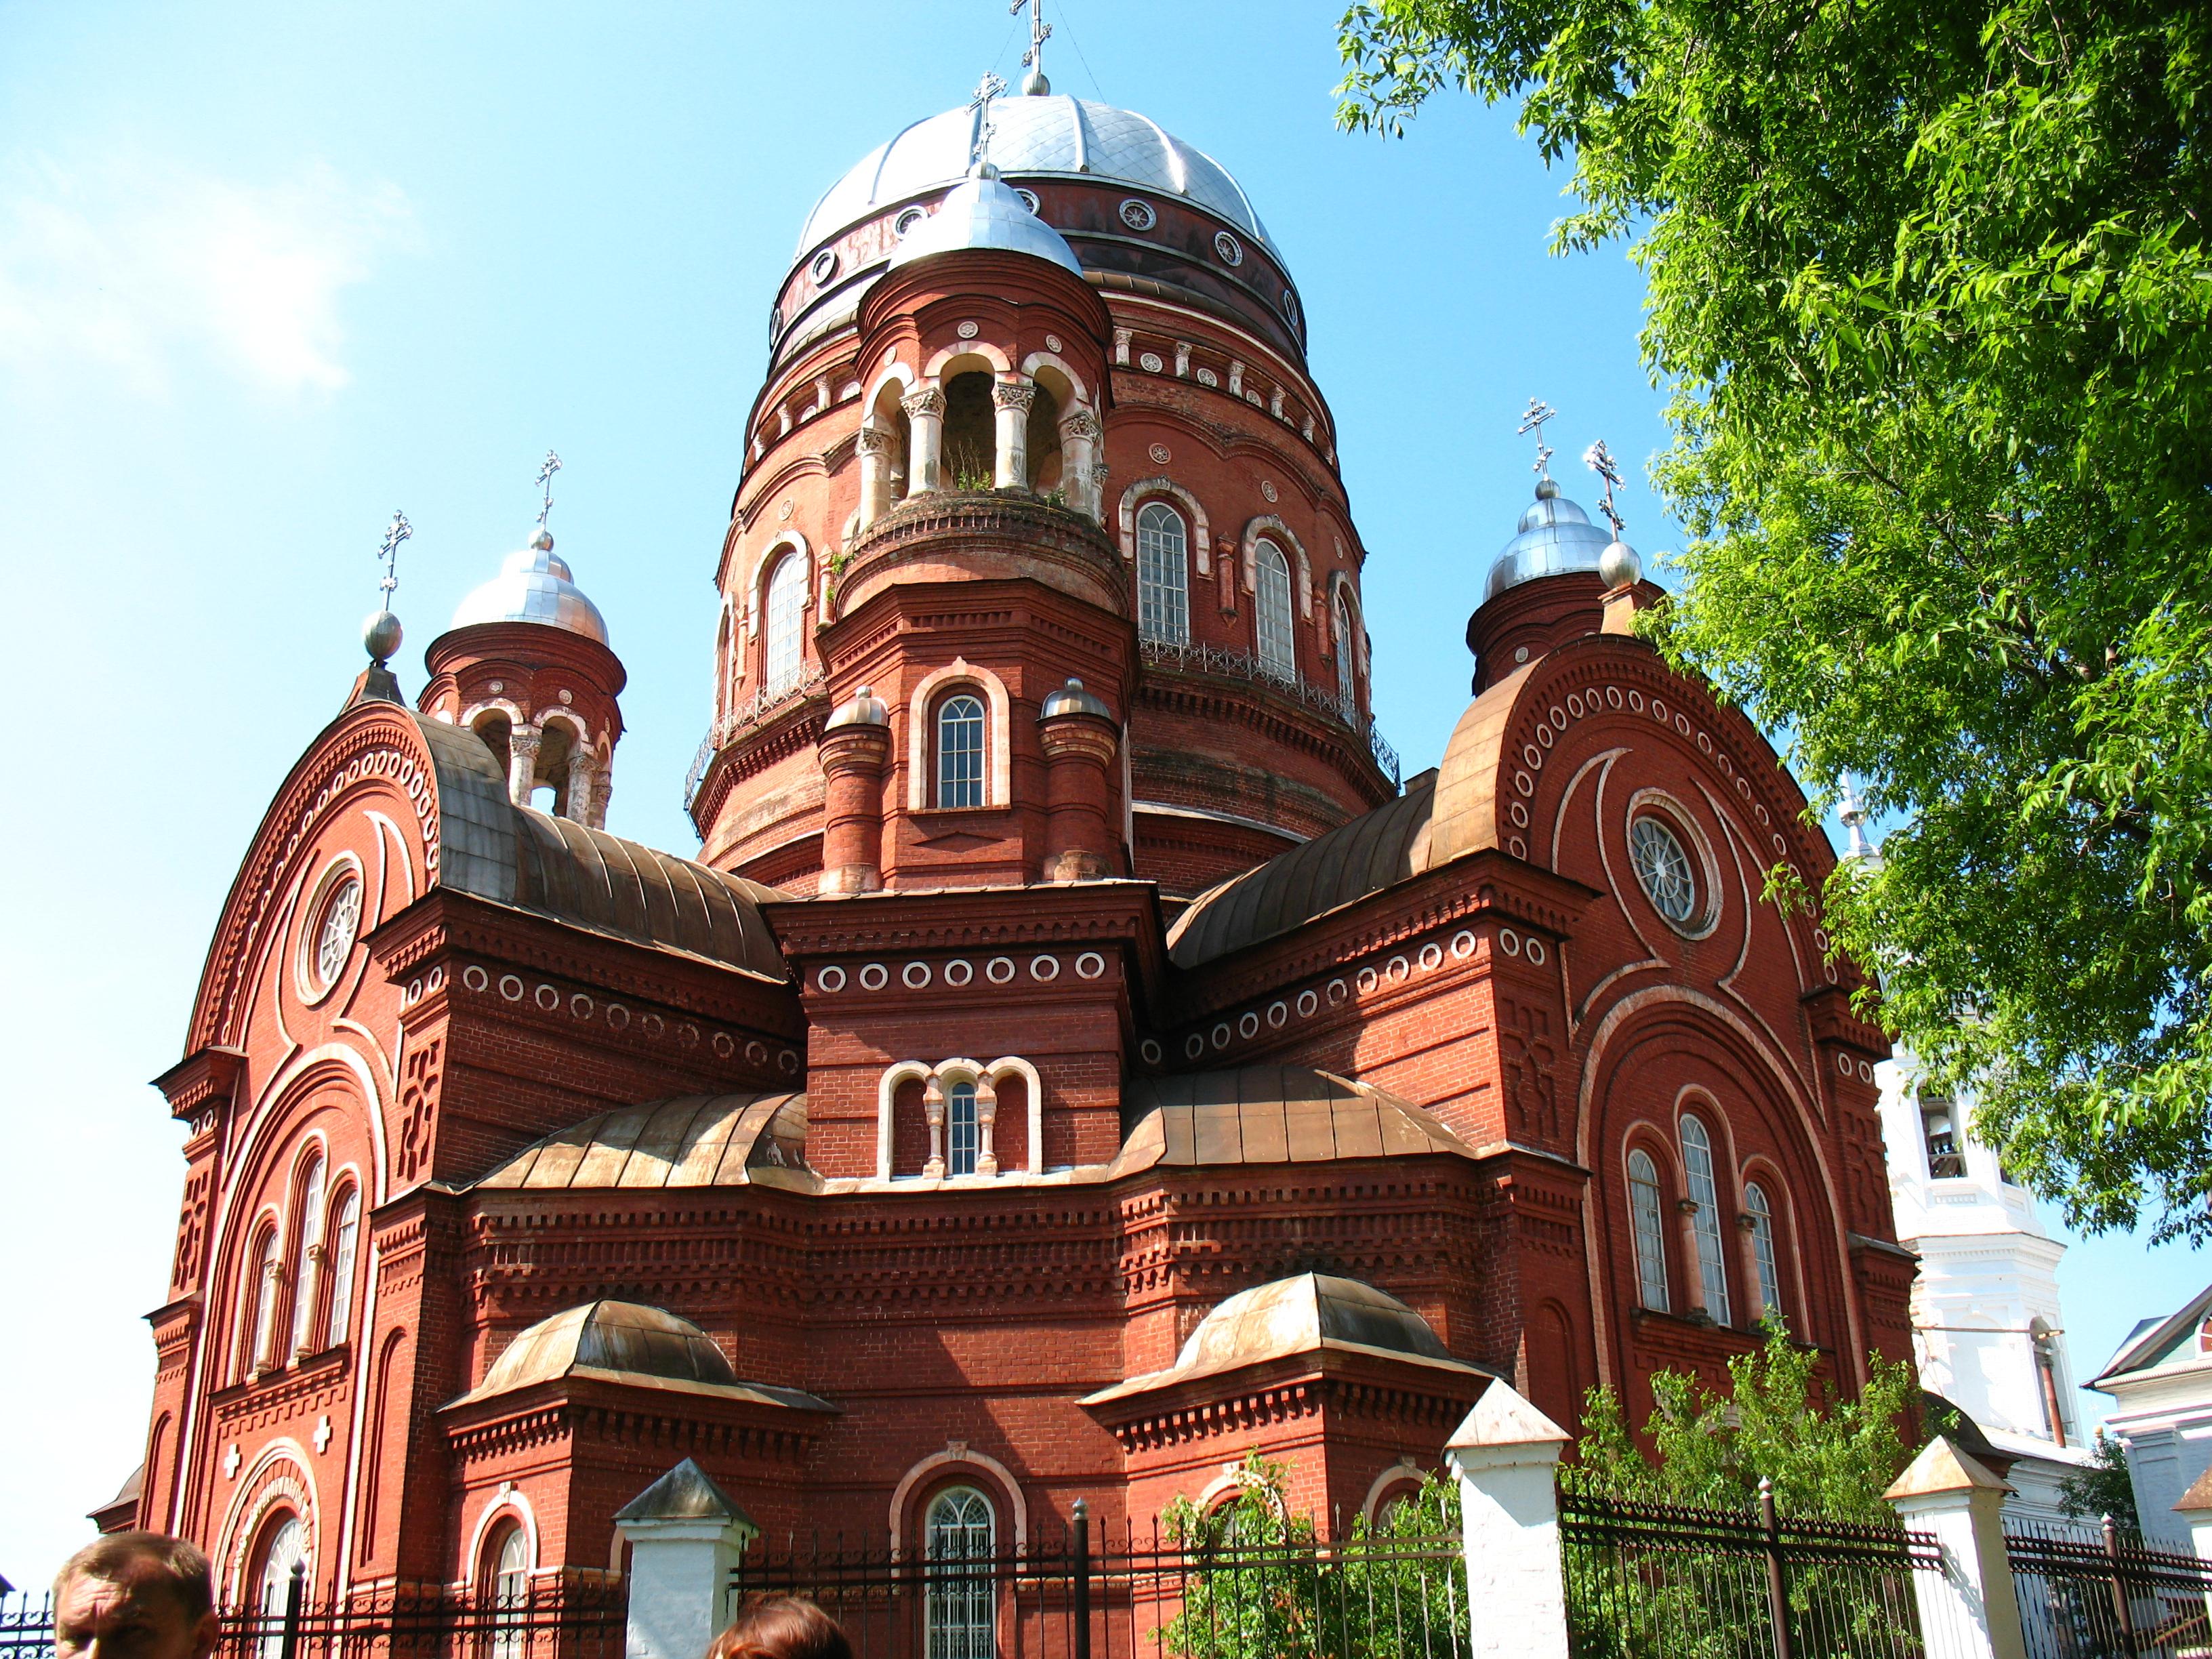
[1346, 680]
[1762, 1250]
[961, 1132]
[1271, 582]
[1648, 1210]
[309, 1256]
[284, 1546]
[507, 1561]
[258, 1296]
[961, 1540]
[960, 751]
[785, 660]
[1705, 1219]
[1163, 575]
[345, 1237]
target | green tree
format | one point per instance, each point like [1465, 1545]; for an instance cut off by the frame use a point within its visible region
[1829, 1459]
[2104, 1486]
[1261, 1584]
[1928, 288]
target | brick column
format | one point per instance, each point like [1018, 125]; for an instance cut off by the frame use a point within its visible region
[855, 744]
[1081, 744]
[1506, 1456]
[1012, 398]
[522, 743]
[925, 414]
[1970, 1608]
[875, 446]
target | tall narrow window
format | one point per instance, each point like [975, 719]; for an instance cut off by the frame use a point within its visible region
[1163, 575]
[261, 1297]
[960, 751]
[1346, 684]
[1648, 1210]
[1762, 1250]
[345, 1233]
[285, 1548]
[960, 1540]
[1706, 1219]
[786, 623]
[960, 1129]
[305, 1267]
[510, 1592]
[1271, 582]
[1939, 1128]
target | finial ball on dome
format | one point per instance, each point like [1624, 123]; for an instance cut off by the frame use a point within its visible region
[543, 541]
[381, 636]
[1618, 565]
[1034, 85]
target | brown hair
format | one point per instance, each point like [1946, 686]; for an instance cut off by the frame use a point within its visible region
[781, 1628]
[118, 1558]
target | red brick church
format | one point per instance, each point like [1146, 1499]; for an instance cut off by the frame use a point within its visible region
[1071, 1058]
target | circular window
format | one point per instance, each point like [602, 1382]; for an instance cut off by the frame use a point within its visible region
[907, 220]
[1139, 215]
[1290, 304]
[334, 924]
[1230, 250]
[1664, 870]
[1029, 198]
[824, 267]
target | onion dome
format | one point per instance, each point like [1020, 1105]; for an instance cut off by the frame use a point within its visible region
[1555, 535]
[1034, 137]
[533, 586]
[981, 212]
[1072, 698]
[1619, 564]
[866, 709]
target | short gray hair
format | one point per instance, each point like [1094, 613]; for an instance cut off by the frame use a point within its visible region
[119, 1557]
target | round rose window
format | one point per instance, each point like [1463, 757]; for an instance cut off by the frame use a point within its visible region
[1664, 869]
[334, 931]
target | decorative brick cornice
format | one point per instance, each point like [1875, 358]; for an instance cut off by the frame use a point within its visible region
[203, 1081]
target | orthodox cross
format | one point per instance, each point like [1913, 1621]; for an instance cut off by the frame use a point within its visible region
[388, 551]
[1600, 460]
[1533, 420]
[1040, 32]
[545, 482]
[986, 90]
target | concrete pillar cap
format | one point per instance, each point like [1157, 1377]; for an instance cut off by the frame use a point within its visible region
[1943, 1466]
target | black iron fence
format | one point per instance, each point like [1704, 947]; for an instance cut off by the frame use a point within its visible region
[552, 1620]
[1651, 1581]
[1065, 1596]
[2097, 1593]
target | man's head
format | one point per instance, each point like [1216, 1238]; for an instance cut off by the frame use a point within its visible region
[135, 1595]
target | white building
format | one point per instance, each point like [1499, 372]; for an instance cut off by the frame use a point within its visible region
[2161, 1379]
[1987, 1330]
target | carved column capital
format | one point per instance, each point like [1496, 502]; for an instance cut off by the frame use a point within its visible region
[1013, 394]
[873, 441]
[1080, 426]
[928, 404]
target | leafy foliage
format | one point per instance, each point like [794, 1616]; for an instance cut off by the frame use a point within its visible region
[1930, 288]
[2106, 1486]
[1828, 1458]
[1264, 1585]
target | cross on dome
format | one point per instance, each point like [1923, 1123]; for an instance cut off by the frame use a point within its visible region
[545, 482]
[1532, 420]
[1033, 84]
[979, 147]
[388, 551]
[1600, 460]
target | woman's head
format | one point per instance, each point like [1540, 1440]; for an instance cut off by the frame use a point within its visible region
[781, 1628]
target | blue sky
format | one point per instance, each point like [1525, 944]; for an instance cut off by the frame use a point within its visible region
[268, 271]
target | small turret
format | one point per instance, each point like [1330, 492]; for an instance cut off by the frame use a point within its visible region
[526, 666]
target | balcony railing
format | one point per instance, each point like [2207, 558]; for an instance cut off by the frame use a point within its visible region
[1185, 657]
[753, 712]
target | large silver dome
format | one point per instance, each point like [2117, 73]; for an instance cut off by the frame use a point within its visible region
[1555, 535]
[982, 213]
[1032, 137]
[533, 586]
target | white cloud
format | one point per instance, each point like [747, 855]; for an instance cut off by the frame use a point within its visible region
[136, 266]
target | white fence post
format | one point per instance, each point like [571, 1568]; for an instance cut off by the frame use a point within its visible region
[1971, 1609]
[1506, 1457]
[685, 1536]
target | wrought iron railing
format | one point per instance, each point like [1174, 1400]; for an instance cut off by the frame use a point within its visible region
[1657, 1581]
[2096, 1591]
[1182, 657]
[753, 712]
[1127, 1596]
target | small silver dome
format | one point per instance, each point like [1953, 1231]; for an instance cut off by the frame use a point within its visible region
[1072, 698]
[533, 586]
[1555, 535]
[1619, 565]
[381, 634]
[866, 709]
[981, 211]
